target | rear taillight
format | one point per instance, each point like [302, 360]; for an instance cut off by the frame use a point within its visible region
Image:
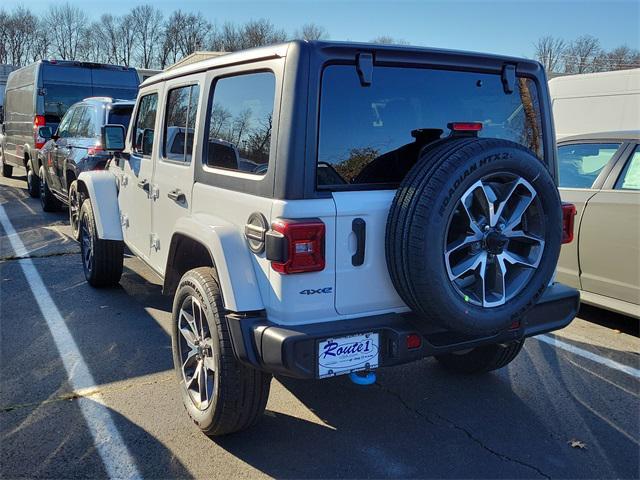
[95, 150]
[568, 217]
[296, 246]
[38, 121]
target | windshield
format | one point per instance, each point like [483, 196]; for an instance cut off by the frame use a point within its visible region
[373, 134]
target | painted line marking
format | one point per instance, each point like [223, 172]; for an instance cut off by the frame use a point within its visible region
[115, 456]
[594, 357]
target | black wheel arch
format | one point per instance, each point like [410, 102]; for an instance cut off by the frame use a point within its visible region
[185, 253]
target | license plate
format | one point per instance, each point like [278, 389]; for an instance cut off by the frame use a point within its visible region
[337, 356]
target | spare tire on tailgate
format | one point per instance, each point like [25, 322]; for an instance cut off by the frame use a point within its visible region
[473, 234]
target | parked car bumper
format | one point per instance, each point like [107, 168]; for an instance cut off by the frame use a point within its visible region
[292, 350]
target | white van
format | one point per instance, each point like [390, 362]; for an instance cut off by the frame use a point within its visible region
[596, 102]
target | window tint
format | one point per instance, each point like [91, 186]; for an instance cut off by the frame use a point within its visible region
[63, 128]
[86, 124]
[59, 98]
[145, 125]
[120, 116]
[182, 107]
[580, 164]
[241, 112]
[630, 178]
[373, 134]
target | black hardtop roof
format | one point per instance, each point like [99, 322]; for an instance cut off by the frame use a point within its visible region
[323, 46]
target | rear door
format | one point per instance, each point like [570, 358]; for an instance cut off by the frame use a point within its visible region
[609, 244]
[369, 138]
[583, 166]
[173, 172]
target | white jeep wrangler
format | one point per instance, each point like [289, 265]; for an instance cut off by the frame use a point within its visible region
[323, 208]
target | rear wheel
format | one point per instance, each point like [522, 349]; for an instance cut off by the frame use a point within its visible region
[102, 260]
[481, 359]
[47, 200]
[7, 170]
[75, 203]
[220, 394]
[33, 182]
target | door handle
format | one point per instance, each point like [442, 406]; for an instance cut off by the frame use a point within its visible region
[176, 195]
[144, 184]
[359, 227]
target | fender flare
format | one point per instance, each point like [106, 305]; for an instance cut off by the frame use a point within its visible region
[103, 192]
[231, 259]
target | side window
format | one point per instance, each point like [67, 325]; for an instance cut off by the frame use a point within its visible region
[145, 125]
[182, 107]
[630, 177]
[581, 163]
[63, 128]
[241, 113]
[74, 124]
[87, 123]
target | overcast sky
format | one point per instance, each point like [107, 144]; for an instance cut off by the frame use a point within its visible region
[505, 27]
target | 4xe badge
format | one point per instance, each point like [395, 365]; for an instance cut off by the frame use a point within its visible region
[311, 291]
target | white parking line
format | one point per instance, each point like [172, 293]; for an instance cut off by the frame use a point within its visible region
[114, 453]
[594, 357]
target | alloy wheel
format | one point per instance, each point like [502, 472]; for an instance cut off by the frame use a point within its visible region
[86, 245]
[74, 209]
[196, 353]
[495, 239]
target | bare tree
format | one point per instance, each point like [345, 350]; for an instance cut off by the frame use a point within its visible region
[41, 44]
[20, 29]
[311, 31]
[194, 33]
[550, 52]
[147, 24]
[127, 35]
[4, 36]
[387, 40]
[257, 33]
[580, 54]
[66, 24]
[227, 39]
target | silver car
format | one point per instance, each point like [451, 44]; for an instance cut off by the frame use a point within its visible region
[600, 174]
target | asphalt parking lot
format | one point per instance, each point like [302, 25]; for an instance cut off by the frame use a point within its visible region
[555, 412]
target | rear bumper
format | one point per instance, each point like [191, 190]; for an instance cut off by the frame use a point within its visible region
[292, 350]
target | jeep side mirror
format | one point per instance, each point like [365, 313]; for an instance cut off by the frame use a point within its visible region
[45, 132]
[113, 138]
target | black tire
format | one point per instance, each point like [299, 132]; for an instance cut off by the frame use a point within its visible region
[33, 181]
[239, 393]
[418, 225]
[481, 359]
[76, 198]
[7, 170]
[48, 202]
[102, 260]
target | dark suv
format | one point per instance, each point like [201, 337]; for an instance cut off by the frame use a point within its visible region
[76, 147]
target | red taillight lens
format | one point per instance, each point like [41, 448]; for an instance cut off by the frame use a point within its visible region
[568, 217]
[38, 121]
[303, 249]
[465, 126]
[413, 341]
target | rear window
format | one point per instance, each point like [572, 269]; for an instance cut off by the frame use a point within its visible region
[120, 116]
[58, 98]
[372, 135]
